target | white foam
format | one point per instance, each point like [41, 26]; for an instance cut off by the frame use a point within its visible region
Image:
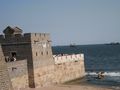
[106, 73]
[91, 73]
[112, 73]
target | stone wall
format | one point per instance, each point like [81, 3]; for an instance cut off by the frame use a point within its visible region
[59, 73]
[45, 75]
[69, 71]
[5, 83]
[56, 73]
[18, 73]
[65, 68]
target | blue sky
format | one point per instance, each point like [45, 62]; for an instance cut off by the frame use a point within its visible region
[67, 21]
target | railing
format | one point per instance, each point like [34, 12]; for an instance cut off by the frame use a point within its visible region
[67, 58]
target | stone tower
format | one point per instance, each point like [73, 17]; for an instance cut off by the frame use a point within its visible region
[35, 47]
[5, 83]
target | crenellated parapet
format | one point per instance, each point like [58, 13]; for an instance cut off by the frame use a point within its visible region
[26, 38]
[15, 39]
[68, 58]
[37, 37]
[15, 35]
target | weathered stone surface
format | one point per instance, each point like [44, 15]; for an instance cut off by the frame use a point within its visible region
[18, 73]
[55, 74]
[5, 83]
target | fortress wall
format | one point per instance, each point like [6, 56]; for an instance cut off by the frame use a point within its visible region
[69, 67]
[58, 73]
[69, 71]
[47, 74]
[17, 68]
[5, 83]
[18, 73]
[44, 76]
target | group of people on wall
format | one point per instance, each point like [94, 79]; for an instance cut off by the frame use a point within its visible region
[10, 59]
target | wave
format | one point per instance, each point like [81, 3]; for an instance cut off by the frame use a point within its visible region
[105, 73]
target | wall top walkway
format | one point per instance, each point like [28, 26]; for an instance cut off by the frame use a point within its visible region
[67, 58]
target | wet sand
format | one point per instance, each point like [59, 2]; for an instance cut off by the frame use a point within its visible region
[71, 87]
[78, 84]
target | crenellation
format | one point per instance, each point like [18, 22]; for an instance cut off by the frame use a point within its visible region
[15, 39]
[38, 37]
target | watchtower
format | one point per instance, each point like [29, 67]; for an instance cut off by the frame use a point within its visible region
[35, 47]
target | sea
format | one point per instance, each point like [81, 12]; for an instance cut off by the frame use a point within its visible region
[99, 57]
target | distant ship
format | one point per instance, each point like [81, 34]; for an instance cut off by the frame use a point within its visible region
[113, 43]
[72, 45]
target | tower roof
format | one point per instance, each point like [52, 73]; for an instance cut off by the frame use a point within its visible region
[10, 31]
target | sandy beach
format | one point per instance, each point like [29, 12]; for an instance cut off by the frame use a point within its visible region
[71, 87]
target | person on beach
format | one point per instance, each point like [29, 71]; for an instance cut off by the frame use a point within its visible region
[101, 75]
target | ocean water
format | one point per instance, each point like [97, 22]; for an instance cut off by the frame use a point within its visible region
[98, 58]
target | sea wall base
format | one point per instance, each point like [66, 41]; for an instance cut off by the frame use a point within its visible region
[59, 73]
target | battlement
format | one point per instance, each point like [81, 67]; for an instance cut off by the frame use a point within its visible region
[15, 38]
[68, 58]
[15, 35]
[38, 37]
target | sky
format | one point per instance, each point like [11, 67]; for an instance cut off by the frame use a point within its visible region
[68, 21]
